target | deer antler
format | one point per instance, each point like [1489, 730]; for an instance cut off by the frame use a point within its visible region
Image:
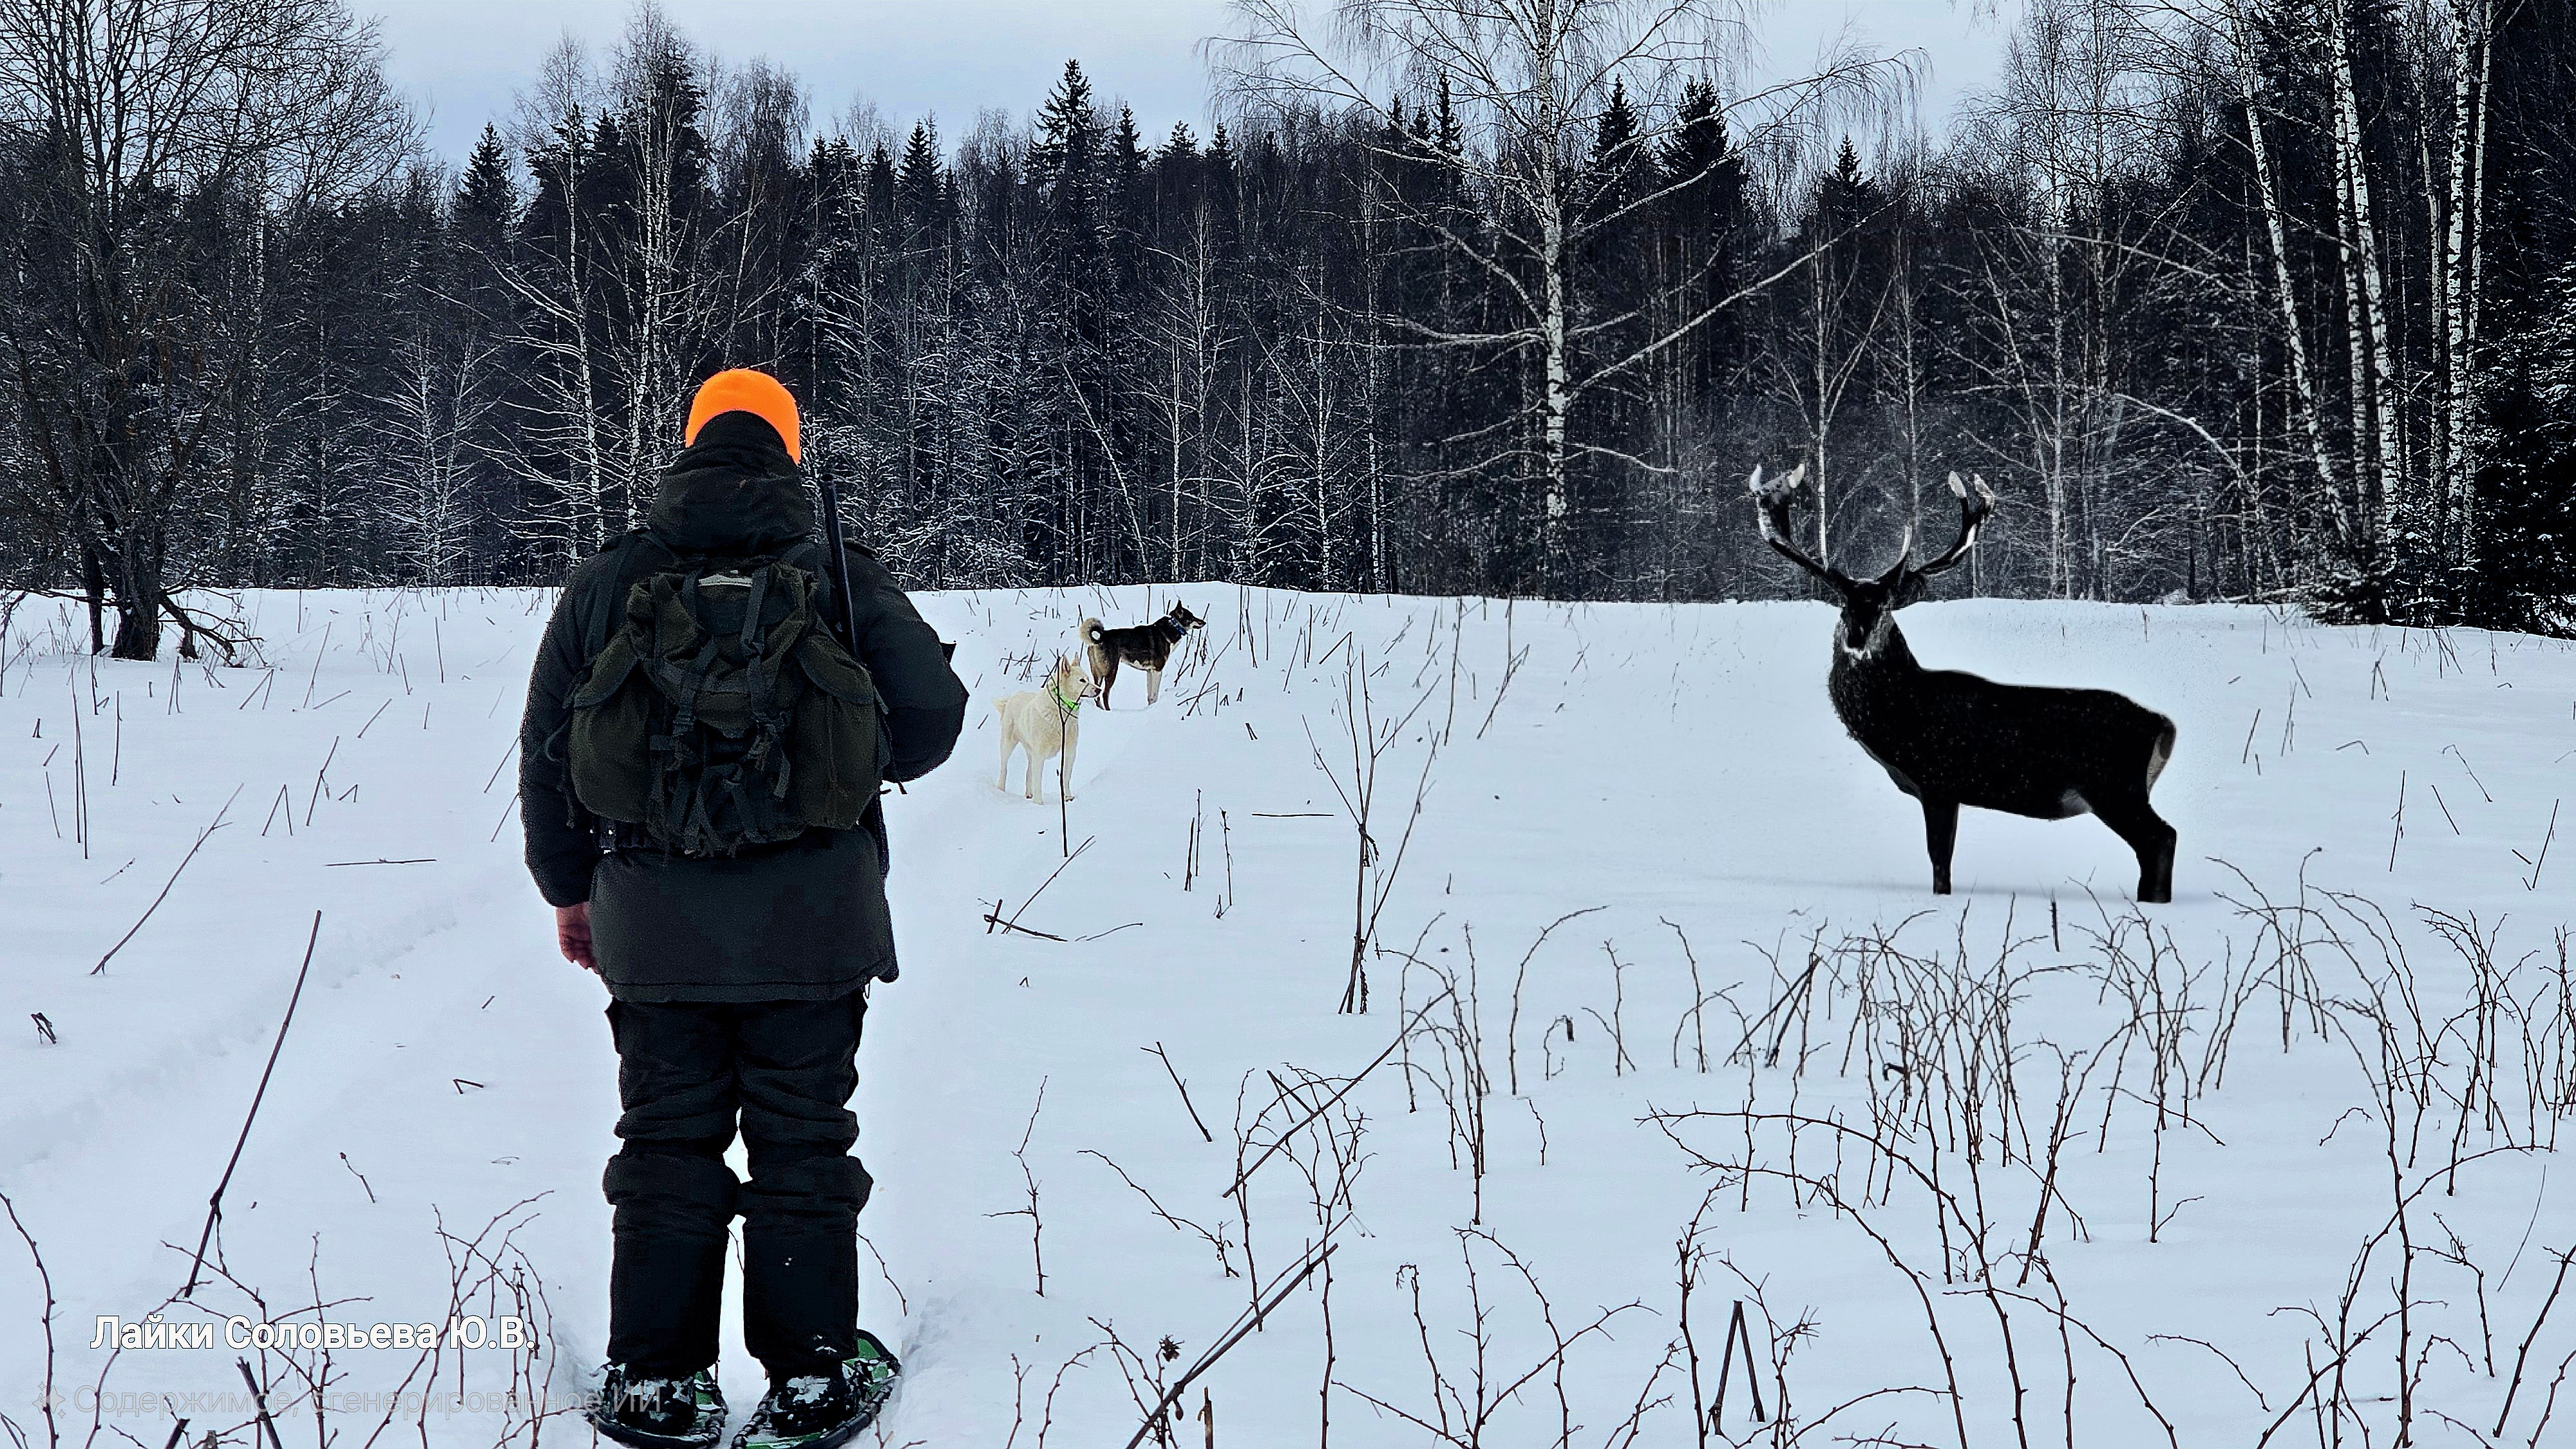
[1972, 516]
[1771, 506]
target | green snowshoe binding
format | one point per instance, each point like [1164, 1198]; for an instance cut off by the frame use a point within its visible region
[819, 1411]
[659, 1413]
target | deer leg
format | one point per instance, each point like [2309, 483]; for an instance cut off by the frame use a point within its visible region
[1940, 832]
[2156, 863]
[2137, 822]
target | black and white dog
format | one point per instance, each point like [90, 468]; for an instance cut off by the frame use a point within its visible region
[1147, 647]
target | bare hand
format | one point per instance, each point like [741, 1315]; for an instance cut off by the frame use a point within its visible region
[572, 935]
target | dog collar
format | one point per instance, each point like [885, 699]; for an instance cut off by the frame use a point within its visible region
[1071, 706]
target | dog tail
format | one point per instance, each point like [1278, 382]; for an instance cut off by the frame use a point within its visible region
[1092, 632]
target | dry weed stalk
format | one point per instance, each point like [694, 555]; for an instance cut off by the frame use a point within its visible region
[1371, 740]
[1964, 1123]
[1465, 1399]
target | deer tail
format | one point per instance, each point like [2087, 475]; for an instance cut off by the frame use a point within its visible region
[2162, 751]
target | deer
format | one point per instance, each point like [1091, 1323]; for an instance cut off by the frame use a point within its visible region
[1950, 739]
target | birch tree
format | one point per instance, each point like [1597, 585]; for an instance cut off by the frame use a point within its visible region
[2379, 459]
[1530, 81]
[2073, 135]
[668, 294]
[2472, 57]
[1826, 326]
[2307, 396]
[561, 444]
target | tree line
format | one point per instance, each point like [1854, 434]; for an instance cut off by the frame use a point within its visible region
[2227, 299]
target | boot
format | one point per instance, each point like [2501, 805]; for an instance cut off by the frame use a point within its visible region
[823, 1409]
[650, 1412]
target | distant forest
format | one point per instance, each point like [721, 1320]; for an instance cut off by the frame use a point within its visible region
[2227, 299]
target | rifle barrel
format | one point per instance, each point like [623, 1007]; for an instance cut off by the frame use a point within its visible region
[834, 541]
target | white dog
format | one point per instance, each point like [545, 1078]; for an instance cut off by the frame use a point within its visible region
[1046, 723]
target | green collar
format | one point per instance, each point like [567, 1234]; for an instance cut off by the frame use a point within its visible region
[1069, 706]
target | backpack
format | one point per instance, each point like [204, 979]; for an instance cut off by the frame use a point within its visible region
[721, 714]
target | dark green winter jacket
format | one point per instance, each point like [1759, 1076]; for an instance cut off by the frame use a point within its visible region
[806, 920]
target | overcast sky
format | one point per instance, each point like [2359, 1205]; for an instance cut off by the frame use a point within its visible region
[462, 61]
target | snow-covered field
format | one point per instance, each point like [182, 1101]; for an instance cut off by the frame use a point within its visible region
[2014, 1167]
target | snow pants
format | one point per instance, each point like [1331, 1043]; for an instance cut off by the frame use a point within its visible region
[686, 1073]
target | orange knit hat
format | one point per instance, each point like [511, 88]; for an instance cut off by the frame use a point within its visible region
[743, 390]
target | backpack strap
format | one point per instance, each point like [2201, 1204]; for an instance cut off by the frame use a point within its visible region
[636, 550]
[751, 612]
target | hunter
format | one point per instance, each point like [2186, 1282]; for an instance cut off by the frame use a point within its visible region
[707, 732]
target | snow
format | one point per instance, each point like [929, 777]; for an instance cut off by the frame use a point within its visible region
[1674, 772]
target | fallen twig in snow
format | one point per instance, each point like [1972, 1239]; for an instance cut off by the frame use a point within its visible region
[2454, 752]
[1157, 1050]
[2536, 862]
[215, 1201]
[165, 885]
[993, 917]
[323, 774]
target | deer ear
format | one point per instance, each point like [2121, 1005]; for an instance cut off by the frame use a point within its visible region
[1753, 485]
[1957, 488]
[1797, 476]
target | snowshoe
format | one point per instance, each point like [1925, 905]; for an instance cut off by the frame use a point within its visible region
[659, 1413]
[819, 1411]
